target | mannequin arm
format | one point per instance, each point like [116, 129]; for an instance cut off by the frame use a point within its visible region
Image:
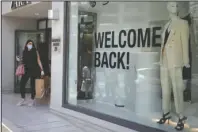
[185, 42]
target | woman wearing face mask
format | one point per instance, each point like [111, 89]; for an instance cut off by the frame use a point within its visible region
[33, 69]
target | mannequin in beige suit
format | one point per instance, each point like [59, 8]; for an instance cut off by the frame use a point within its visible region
[174, 56]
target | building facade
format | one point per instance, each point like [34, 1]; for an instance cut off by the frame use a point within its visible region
[104, 59]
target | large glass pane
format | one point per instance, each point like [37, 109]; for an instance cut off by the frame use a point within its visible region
[135, 60]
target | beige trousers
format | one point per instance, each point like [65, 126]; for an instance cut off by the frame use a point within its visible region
[171, 80]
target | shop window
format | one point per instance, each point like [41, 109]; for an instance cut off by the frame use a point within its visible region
[116, 60]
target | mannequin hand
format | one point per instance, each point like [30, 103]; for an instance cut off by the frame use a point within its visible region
[42, 73]
[187, 65]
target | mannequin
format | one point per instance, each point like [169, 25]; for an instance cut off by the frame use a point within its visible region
[174, 56]
[86, 82]
[41, 38]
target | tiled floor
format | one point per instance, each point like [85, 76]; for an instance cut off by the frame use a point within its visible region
[40, 119]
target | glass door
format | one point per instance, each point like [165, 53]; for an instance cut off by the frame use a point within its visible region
[21, 36]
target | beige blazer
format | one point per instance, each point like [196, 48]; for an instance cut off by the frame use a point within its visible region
[177, 48]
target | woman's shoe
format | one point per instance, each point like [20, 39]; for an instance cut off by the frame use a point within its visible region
[21, 102]
[164, 118]
[31, 102]
[180, 124]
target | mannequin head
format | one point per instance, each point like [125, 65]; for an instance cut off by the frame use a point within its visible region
[172, 8]
[41, 38]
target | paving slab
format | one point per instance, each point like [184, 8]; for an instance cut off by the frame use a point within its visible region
[40, 119]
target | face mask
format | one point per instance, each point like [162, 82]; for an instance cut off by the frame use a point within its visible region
[29, 47]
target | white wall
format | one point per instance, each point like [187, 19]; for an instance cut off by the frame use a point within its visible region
[9, 25]
[57, 59]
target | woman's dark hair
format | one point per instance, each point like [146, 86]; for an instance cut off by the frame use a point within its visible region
[33, 45]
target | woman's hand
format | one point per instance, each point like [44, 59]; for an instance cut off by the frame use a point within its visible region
[39, 63]
[42, 73]
[18, 58]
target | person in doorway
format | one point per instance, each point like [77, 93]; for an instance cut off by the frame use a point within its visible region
[43, 52]
[33, 69]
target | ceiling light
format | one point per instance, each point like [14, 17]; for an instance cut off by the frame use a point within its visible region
[36, 14]
[83, 3]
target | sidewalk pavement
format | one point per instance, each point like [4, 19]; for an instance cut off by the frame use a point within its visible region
[40, 119]
[3, 129]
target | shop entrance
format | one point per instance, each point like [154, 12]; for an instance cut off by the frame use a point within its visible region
[20, 24]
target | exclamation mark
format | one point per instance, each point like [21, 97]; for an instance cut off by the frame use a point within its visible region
[127, 61]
